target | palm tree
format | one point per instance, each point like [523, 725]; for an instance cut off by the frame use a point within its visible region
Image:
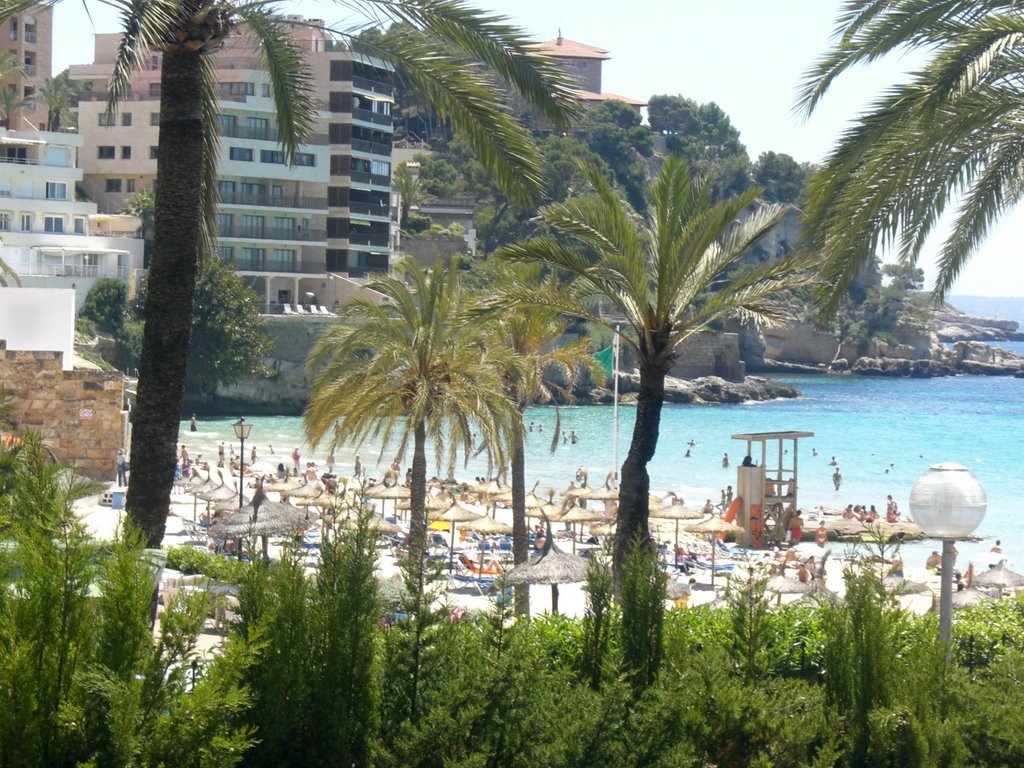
[411, 192]
[11, 103]
[950, 134]
[435, 52]
[666, 277]
[412, 370]
[538, 371]
[58, 94]
[8, 276]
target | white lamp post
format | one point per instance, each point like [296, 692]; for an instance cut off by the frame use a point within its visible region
[242, 429]
[948, 502]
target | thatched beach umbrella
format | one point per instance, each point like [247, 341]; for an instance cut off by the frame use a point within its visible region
[675, 512]
[604, 493]
[898, 585]
[713, 525]
[384, 492]
[787, 585]
[378, 525]
[273, 518]
[553, 567]
[605, 529]
[454, 513]
[999, 577]
[488, 526]
[305, 491]
[964, 598]
[281, 487]
[581, 515]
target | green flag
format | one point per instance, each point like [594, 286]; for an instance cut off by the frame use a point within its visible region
[606, 358]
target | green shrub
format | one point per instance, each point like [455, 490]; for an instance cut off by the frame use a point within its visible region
[191, 561]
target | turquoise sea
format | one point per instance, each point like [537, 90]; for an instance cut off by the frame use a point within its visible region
[869, 425]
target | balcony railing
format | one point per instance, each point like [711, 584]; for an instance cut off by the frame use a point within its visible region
[275, 233]
[358, 113]
[275, 201]
[267, 134]
[372, 147]
[275, 265]
[362, 238]
[365, 177]
[69, 270]
[369, 209]
[372, 85]
[30, 69]
[30, 35]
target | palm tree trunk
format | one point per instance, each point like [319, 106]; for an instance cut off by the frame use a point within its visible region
[171, 285]
[520, 546]
[635, 485]
[417, 501]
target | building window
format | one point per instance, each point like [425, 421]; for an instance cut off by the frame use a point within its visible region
[126, 153]
[105, 152]
[154, 152]
[227, 253]
[272, 156]
[79, 225]
[5, 222]
[106, 120]
[56, 190]
[113, 185]
[226, 121]
[129, 185]
[126, 119]
[26, 222]
[253, 225]
[226, 189]
[253, 256]
[14, 29]
[224, 222]
[53, 224]
[154, 90]
[307, 159]
[154, 118]
[240, 153]
[380, 168]
[337, 227]
[284, 257]
[30, 31]
[265, 90]
[284, 225]
[239, 89]
[260, 124]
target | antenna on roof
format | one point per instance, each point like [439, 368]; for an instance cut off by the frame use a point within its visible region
[559, 40]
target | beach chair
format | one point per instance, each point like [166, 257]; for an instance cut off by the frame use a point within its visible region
[288, 309]
[325, 311]
[299, 310]
[196, 533]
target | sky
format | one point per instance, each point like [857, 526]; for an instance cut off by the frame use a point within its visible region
[748, 56]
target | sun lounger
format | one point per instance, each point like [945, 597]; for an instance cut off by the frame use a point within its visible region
[299, 309]
[288, 309]
[325, 311]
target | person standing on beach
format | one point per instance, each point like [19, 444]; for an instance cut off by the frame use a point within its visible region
[220, 454]
[358, 467]
[330, 462]
[295, 461]
[192, 427]
[837, 478]
[122, 468]
[252, 455]
[725, 461]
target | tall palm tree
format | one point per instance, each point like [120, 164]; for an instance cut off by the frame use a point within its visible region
[11, 103]
[951, 135]
[437, 52]
[58, 94]
[8, 276]
[539, 371]
[665, 277]
[413, 370]
[411, 192]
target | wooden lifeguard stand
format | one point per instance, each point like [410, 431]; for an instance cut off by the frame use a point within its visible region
[771, 484]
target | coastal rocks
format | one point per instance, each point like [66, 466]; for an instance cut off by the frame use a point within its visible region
[980, 359]
[914, 369]
[707, 389]
[952, 325]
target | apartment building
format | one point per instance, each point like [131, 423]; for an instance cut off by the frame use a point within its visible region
[47, 237]
[29, 38]
[288, 229]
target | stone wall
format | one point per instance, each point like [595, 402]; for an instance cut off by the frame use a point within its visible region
[710, 354]
[78, 413]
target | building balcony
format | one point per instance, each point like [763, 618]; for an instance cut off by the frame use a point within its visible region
[370, 117]
[371, 147]
[275, 201]
[369, 209]
[70, 270]
[365, 177]
[373, 86]
[273, 265]
[29, 69]
[31, 161]
[377, 240]
[274, 233]
[267, 134]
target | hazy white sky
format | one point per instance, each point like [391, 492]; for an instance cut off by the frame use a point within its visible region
[746, 55]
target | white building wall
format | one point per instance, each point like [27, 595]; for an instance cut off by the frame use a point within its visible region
[39, 320]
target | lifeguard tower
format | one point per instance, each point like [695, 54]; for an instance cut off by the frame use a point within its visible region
[767, 487]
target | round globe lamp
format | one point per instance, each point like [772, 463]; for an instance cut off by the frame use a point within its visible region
[948, 502]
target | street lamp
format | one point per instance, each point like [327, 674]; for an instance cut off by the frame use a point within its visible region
[242, 429]
[948, 502]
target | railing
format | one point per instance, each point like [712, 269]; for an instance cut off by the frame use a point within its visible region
[267, 134]
[31, 161]
[369, 209]
[365, 177]
[69, 270]
[274, 233]
[377, 240]
[275, 201]
[30, 36]
[372, 85]
[273, 265]
[371, 147]
[358, 113]
[30, 69]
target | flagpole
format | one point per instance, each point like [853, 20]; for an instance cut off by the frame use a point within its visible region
[615, 407]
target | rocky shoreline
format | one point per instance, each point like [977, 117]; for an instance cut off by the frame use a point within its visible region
[706, 389]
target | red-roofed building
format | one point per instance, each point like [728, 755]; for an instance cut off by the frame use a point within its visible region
[584, 62]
